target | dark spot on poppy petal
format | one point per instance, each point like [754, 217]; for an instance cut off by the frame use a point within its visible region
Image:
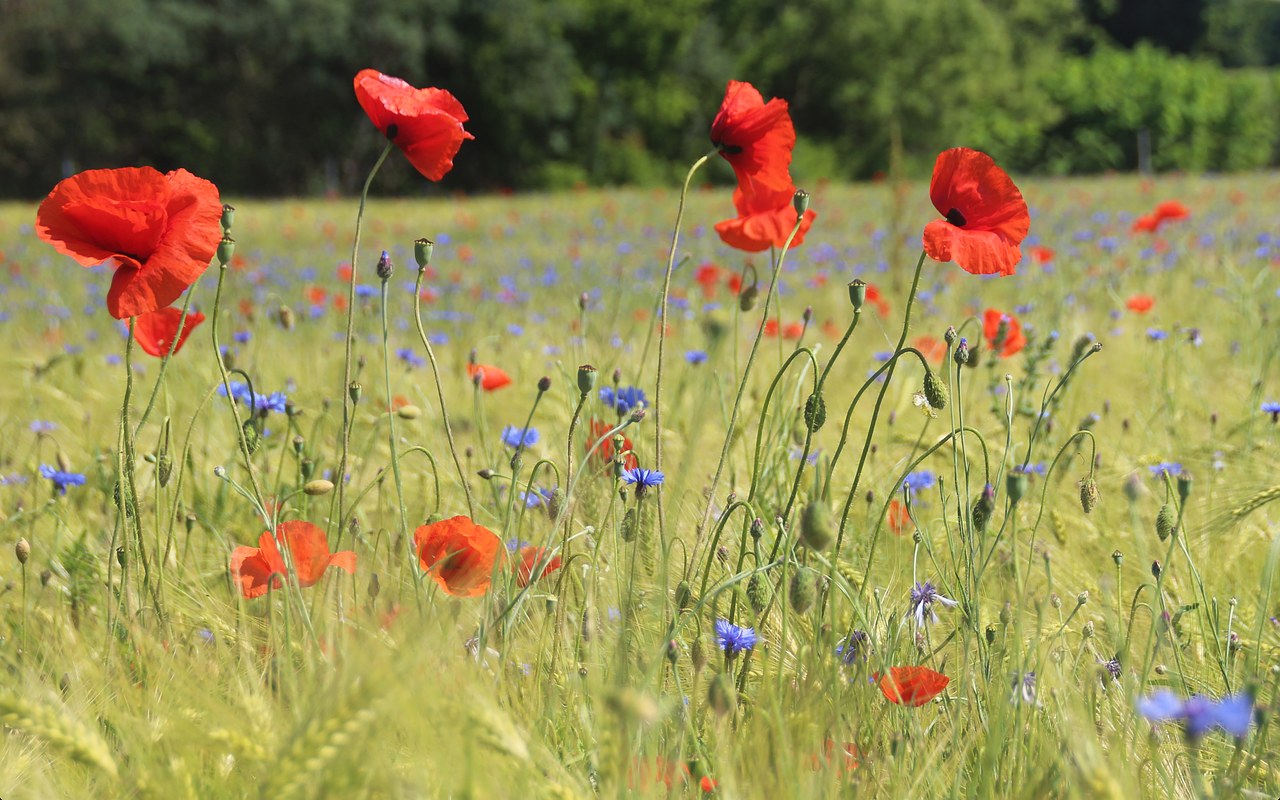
[393, 131]
[730, 149]
[955, 217]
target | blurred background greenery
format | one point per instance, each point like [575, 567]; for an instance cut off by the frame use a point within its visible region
[256, 94]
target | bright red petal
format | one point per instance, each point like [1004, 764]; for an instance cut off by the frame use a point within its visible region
[256, 569]
[995, 217]
[427, 122]
[458, 554]
[1013, 340]
[530, 557]
[912, 686]
[309, 548]
[978, 252]
[106, 213]
[154, 331]
[756, 137]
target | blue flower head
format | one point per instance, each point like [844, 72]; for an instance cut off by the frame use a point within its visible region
[696, 356]
[511, 436]
[643, 479]
[733, 639]
[1157, 335]
[407, 355]
[1271, 408]
[624, 399]
[61, 480]
[920, 480]
[1233, 714]
[1171, 468]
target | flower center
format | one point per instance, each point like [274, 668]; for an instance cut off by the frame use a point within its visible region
[393, 130]
[955, 217]
[728, 149]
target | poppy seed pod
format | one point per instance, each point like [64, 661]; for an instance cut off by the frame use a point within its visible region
[721, 694]
[747, 298]
[587, 378]
[803, 591]
[190, 522]
[228, 218]
[815, 413]
[422, 249]
[857, 293]
[354, 391]
[817, 525]
[298, 444]
[1088, 494]
[226, 249]
[1015, 485]
[22, 550]
[800, 200]
[1184, 487]
[935, 391]
[1166, 521]
[307, 467]
[318, 487]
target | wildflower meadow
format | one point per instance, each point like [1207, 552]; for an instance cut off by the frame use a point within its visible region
[886, 490]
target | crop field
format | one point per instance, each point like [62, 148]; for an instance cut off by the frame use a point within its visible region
[818, 596]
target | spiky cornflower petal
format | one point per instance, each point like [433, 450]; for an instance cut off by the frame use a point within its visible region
[923, 596]
[733, 639]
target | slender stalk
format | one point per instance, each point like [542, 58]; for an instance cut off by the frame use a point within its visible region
[391, 414]
[164, 364]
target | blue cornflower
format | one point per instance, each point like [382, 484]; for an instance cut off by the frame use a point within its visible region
[242, 337]
[624, 399]
[270, 402]
[438, 338]
[407, 355]
[858, 648]
[923, 596]
[1233, 714]
[535, 499]
[1271, 408]
[643, 479]
[1024, 689]
[364, 291]
[1170, 468]
[696, 356]
[43, 426]
[733, 639]
[883, 356]
[511, 436]
[1157, 335]
[919, 480]
[61, 480]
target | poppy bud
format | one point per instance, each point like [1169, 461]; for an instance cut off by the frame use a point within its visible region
[870, 496]
[673, 652]
[684, 595]
[803, 591]
[816, 525]
[1155, 569]
[422, 249]
[587, 378]
[628, 527]
[285, 316]
[950, 336]
[486, 474]
[857, 293]
[698, 655]
[164, 468]
[1006, 613]
[1166, 520]
[226, 249]
[384, 268]
[721, 695]
[747, 298]
[516, 461]
[1015, 485]
[354, 391]
[961, 355]
[22, 550]
[45, 577]
[190, 522]
[807, 316]
[815, 413]
[318, 487]
[1088, 494]
[935, 391]
[757, 593]
[722, 554]
[544, 383]
[374, 587]
[984, 508]
[307, 467]
[556, 503]
[228, 217]
[251, 436]
[1184, 487]
[800, 200]
[408, 412]
[1133, 487]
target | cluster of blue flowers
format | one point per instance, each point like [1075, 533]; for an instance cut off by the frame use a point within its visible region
[624, 399]
[270, 402]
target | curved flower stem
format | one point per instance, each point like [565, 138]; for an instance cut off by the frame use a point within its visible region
[662, 338]
[1097, 346]
[1044, 490]
[164, 364]
[435, 469]
[444, 410]
[391, 417]
[742, 387]
[764, 411]
[231, 399]
[348, 408]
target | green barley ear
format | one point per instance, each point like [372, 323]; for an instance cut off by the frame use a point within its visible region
[73, 739]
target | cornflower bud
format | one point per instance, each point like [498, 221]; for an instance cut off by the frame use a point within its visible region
[384, 268]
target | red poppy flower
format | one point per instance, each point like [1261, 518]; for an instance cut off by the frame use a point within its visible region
[155, 330]
[771, 327]
[934, 350]
[606, 452]
[256, 569]
[1168, 211]
[985, 217]
[708, 783]
[1140, 303]
[459, 555]
[765, 219]
[645, 773]
[530, 557]
[426, 124]
[1013, 339]
[848, 753]
[493, 379]
[912, 686]
[1042, 255]
[793, 331]
[708, 275]
[160, 230]
[898, 518]
[735, 282]
[876, 299]
[755, 137]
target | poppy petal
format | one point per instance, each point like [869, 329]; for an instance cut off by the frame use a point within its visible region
[155, 330]
[458, 554]
[104, 213]
[427, 122]
[912, 686]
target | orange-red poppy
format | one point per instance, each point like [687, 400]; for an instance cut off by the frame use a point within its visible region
[426, 124]
[793, 331]
[161, 231]
[912, 686]
[765, 219]
[1013, 339]
[708, 275]
[646, 772]
[1042, 255]
[708, 783]
[756, 138]
[1168, 211]
[606, 451]
[1140, 303]
[933, 350]
[985, 217]
[898, 518]
[735, 282]
[876, 299]
[155, 330]
[256, 569]
[459, 555]
[530, 558]
[493, 379]
[770, 327]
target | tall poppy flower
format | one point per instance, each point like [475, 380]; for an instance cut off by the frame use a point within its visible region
[985, 217]
[256, 569]
[765, 219]
[912, 686]
[493, 378]
[155, 330]
[755, 137]
[530, 558]
[160, 230]
[1013, 341]
[459, 555]
[1140, 303]
[426, 124]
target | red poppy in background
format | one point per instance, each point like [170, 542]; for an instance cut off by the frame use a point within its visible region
[1140, 303]
[155, 330]
[771, 327]
[1042, 255]
[708, 275]
[847, 750]
[426, 124]
[912, 686]
[493, 379]
[1013, 339]
[765, 219]
[530, 557]
[985, 217]
[876, 299]
[898, 518]
[160, 230]
[708, 783]
[1168, 211]
[256, 569]
[755, 137]
[645, 773]
[459, 555]
[933, 350]
[606, 451]
[793, 331]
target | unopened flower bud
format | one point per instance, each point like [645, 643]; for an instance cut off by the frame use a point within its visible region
[803, 590]
[22, 550]
[583, 299]
[544, 383]
[1015, 485]
[961, 354]
[817, 525]
[318, 487]
[747, 298]
[757, 528]
[486, 473]
[807, 316]
[384, 268]
[1088, 494]
[721, 694]
[1166, 521]
[984, 507]
[950, 336]
[935, 391]
[1055, 601]
[1087, 630]
[409, 411]
[684, 595]
[1082, 598]
[1156, 569]
[285, 316]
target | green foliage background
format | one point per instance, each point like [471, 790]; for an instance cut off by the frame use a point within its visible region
[257, 95]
